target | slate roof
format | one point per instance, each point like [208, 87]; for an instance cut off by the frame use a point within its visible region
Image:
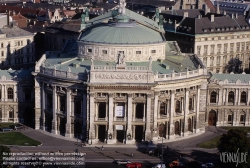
[220, 24]
[18, 73]
[15, 32]
[192, 13]
[231, 77]
[158, 3]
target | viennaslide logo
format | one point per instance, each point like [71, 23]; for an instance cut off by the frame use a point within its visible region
[231, 157]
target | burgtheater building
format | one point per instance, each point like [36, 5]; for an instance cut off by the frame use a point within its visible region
[122, 82]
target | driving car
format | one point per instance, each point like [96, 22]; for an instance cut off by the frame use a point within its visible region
[4, 129]
[119, 162]
[159, 166]
[133, 165]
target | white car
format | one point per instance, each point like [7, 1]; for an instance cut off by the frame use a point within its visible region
[160, 166]
[207, 165]
[119, 162]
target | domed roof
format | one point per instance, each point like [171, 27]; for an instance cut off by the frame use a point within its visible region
[127, 33]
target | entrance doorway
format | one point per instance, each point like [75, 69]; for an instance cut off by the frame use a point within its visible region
[189, 124]
[162, 130]
[139, 110]
[138, 133]
[48, 122]
[102, 133]
[119, 135]
[62, 126]
[29, 117]
[177, 128]
[212, 118]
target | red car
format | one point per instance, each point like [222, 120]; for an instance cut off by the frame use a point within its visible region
[133, 165]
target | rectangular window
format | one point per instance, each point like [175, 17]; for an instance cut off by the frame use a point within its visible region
[153, 51]
[224, 59]
[199, 50]
[28, 50]
[138, 52]
[242, 46]
[242, 118]
[225, 47]
[104, 52]
[212, 49]
[218, 61]
[219, 48]
[205, 49]
[28, 59]
[90, 50]
[238, 47]
[231, 47]
[229, 118]
[211, 61]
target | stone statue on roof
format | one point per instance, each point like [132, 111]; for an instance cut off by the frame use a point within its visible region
[87, 12]
[157, 13]
[161, 20]
[83, 18]
[150, 61]
[121, 57]
[122, 6]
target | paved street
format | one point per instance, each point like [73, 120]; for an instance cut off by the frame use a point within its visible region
[185, 148]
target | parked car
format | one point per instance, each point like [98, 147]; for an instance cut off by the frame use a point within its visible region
[159, 166]
[119, 162]
[133, 165]
[4, 129]
[207, 165]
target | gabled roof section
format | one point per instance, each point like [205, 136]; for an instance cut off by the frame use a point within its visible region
[128, 13]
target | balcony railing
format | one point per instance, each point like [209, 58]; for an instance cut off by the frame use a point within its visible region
[101, 119]
[139, 119]
[119, 118]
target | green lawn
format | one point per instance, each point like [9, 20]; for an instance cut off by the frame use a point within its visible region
[17, 138]
[213, 143]
[235, 127]
[7, 124]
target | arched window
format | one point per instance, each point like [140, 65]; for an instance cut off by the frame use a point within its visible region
[163, 109]
[231, 97]
[11, 113]
[10, 93]
[242, 118]
[178, 106]
[27, 93]
[213, 97]
[191, 104]
[62, 103]
[243, 97]
[78, 107]
[49, 101]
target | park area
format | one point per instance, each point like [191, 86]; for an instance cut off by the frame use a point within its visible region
[213, 143]
[15, 137]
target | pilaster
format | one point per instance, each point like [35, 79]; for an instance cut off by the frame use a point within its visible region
[54, 121]
[172, 111]
[156, 113]
[68, 113]
[110, 119]
[197, 108]
[186, 110]
[130, 133]
[148, 131]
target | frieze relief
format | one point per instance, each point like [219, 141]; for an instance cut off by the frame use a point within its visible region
[122, 76]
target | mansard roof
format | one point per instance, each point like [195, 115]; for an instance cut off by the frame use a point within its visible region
[231, 78]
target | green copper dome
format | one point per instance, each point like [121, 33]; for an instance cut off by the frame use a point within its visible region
[112, 34]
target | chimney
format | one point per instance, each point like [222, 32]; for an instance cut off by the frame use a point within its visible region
[185, 14]
[224, 13]
[207, 10]
[236, 15]
[212, 18]
[8, 18]
[232, 16]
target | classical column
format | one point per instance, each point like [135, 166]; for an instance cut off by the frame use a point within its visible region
[148, 131]
[172, 111]
[84, 114]
[37, 103]
[110, 119]
[226, 98]
[92, 131]
[197, 108]
[5, 93]
[239, 94]
[2, 92]
[130, 133]
[68, 124]
[42, 120]
[223, 96]
[248, 96]
[186, 111]
[220, 96]
[14, 93]
[156, 112]
[236, 97]
[54, 121]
